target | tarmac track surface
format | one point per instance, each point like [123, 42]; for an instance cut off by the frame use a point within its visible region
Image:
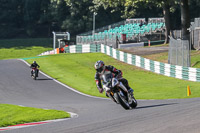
[94, 115]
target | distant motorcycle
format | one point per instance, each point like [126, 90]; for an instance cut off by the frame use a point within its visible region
[34, 73]
[118, 92]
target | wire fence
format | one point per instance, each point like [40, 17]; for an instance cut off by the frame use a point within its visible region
[195, 33]
[179, 52]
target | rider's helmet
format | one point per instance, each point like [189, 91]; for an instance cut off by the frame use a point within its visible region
[99, 66]
[34, 62]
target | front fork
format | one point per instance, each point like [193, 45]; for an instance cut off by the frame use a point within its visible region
[123, 88]
[111, 95]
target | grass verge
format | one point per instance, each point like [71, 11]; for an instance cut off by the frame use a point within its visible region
[12, 53]
[163, 57]
[19, 48]
[13, 115]
[77, 71]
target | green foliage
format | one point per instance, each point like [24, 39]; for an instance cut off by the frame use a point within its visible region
[16, 43]
[131, 8]
[10, 11]
[80, 18]
[38, 18]
[194, 8]
[13, 115]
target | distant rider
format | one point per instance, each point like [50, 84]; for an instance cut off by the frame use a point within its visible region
[34, 65]
[102, 69]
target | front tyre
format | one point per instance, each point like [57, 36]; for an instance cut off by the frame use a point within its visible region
[121, 99]
[34, 75]
[134, 102]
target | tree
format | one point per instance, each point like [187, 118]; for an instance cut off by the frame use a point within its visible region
[194, 8]
[32, 15]
[79, 18]
[185, 18]
[11, 20]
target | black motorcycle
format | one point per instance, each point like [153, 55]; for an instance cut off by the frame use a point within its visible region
[34, 73]
[118, 92]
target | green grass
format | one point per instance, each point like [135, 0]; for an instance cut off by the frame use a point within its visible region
[195, 59]
[12, 53]
[163, 57]
[77, 71]
[13, 114]
[19, 48]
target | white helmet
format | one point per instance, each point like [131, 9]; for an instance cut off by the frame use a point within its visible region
[99, 66]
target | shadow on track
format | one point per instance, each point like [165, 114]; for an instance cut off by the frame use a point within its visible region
[158, 105]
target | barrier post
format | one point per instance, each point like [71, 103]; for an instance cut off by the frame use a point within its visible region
[188, 91]
[149, 43]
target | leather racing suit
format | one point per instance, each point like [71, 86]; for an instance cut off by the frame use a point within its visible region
[34, 65]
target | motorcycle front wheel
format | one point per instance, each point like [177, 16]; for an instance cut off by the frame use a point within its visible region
[122, 101]
[34, 75]
[134, 102]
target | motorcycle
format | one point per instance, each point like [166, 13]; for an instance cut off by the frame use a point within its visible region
[34, 73]
[118, 92]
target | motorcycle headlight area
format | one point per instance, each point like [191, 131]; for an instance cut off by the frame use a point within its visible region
[114, 82]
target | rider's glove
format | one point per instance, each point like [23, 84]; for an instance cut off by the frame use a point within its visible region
[100, 90]
[119, 75]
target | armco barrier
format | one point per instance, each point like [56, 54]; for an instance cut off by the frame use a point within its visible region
[186, 73]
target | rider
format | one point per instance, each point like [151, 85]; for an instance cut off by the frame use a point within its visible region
[102, 69]
[34, 65]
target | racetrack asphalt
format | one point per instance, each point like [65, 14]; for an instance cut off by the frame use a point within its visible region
[94, 115]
